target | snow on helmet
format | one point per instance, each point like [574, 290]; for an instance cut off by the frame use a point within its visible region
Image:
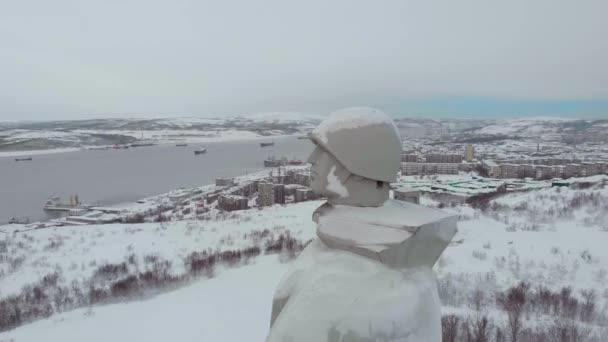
[364, 140]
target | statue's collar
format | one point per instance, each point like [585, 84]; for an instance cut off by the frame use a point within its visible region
[390, 233]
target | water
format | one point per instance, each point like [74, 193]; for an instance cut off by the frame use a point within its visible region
[110, 177]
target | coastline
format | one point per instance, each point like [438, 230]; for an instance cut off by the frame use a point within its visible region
[177, 138]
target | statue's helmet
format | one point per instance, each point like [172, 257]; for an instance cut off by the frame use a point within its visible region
[364, 140]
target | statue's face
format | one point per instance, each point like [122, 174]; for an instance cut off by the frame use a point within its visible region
[322, 164]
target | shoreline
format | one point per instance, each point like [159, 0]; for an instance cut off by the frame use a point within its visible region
[161, 142]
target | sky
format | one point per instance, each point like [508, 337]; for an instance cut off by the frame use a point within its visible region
[80, 59]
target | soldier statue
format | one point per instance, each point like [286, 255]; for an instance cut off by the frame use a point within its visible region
[368, 275]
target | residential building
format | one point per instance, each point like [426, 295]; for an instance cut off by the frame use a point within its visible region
[546, 172]
[469, 153]
[492, 168]
[526, 171]
[429, 168]
[232, 202]
[302, 178]
[509, 170]
[279, 193]
[410, 158]
[443, 158]
[570, 170]
[301, 195]
[265, 194]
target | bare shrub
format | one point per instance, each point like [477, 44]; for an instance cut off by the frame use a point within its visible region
[588, 305]
[97, 295]
[110, 271]
[15, 263]
[125, 287]
[54, 243]
[284, 243]
[449, 328]
[250, 252]
[586, 256]
[569, 304]
[478, 299]
[137, 218]
[116, 281]
[481, 255]
[200, 263]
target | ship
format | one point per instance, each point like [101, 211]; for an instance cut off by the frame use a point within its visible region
[143, 144]
[201, 150]
[23, 158]
[181, 145]
[54, 204]
[19, 220]
[275, 162]
[267, 143]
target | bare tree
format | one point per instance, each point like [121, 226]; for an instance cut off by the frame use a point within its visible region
[481, 330]
[514, 302]
[588, 307]
[500, 335]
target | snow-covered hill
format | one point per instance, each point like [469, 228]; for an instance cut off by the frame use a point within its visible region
[533, 127]
[27, 136]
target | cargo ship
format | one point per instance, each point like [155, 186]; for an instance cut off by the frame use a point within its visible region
[23, 158]
[274, 162]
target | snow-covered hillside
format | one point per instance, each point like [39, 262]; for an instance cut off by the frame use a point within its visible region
[553, 239]
[233, 306]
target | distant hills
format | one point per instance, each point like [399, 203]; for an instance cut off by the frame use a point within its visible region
[15, 136]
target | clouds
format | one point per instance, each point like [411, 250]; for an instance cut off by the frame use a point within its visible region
[74, 59]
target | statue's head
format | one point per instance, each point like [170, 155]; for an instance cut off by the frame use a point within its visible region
[357, 154]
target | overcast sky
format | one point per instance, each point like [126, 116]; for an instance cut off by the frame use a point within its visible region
[117, 58]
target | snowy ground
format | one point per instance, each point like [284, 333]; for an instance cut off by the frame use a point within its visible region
[233, 306]
[552, 237]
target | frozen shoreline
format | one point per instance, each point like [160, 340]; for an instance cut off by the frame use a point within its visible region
[7, 154]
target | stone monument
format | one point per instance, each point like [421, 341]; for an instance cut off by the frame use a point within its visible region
[368, 276]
